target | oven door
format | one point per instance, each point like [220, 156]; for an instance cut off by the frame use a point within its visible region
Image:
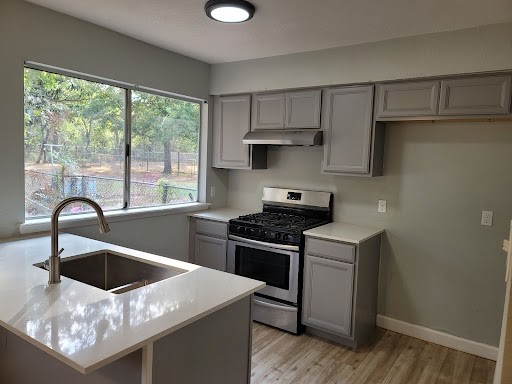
[275, 264]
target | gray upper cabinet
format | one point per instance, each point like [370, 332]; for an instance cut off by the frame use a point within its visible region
[475, 95]
[290, 110]
[407, 99]
[231, 121]
[303, 109]
[268, 111]
[347, 123]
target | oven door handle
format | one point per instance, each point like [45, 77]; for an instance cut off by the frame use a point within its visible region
[294, 248]
[275, 306]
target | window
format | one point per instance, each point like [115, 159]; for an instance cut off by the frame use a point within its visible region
[80, 141]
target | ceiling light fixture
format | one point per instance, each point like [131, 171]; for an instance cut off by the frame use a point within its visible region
[229, 11]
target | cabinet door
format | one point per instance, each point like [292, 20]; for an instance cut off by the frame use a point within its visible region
[232, 116]
[475, 95]
[268, 111]
[347, 122]
[328, 295]
[407, 99]
[210, 252]
[303, 109]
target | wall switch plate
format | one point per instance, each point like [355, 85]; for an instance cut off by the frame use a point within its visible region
[212, 191]
[382, 207]
[487, 218]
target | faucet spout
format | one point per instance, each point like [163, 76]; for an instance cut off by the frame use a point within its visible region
[54, 259]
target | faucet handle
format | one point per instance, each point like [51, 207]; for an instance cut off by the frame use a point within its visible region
[61, 250]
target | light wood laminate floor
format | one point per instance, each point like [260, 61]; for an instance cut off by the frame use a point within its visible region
[279, 357]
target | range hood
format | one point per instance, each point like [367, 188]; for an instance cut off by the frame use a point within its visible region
[284, 137]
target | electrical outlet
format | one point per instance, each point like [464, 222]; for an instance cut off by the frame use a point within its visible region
[212, 191]
[382, 207]
[487, 218]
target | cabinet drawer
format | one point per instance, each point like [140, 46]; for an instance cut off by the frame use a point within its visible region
[408, 99]
[213, 228]
[330, 250]
[475, 95]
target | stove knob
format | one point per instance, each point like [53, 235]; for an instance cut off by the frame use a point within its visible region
[240, 230]
[286, 237]
[251, 231]
[277, 236]
[263, 233]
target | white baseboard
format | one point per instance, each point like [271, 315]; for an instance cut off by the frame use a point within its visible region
[446, 340]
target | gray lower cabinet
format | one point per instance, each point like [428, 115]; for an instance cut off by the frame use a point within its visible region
[340, 289]
[328, 278]
[419, 98]
[231, 121]
[208, 243]
[347, 120]
[475, 95]
[210, 252]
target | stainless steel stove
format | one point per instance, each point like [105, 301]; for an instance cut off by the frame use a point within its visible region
[268, 246]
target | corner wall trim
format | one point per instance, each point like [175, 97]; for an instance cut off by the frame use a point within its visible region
[446, 340]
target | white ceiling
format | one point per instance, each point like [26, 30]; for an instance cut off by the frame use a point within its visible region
[280, 26]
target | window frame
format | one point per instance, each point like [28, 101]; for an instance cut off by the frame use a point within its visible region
[128, 88]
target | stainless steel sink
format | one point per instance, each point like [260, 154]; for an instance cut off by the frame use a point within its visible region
[113, 272]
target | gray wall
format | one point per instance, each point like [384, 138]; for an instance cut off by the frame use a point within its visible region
[439, 267]
[486, 48]
[29, 32]
[162, 235]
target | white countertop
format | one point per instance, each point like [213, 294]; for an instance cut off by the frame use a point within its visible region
[86, 327]
[348, 233]
[220, 214]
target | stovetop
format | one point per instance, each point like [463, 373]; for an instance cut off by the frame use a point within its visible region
[280, 220]
[274, 227]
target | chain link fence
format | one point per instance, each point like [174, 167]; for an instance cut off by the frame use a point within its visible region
[143, 158]
[44, 190]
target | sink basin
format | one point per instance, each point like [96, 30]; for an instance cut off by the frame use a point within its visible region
[113, 272]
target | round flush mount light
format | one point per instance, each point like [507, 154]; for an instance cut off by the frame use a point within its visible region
[229, 11]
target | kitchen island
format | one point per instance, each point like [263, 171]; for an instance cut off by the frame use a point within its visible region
[194, 327]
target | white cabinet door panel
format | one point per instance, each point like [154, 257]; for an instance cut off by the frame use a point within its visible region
[475, 95]
[347, 121]
[419, 98]
[328, 288]
[210, 252]
[268, 111]
[231, 122]
[303, 109]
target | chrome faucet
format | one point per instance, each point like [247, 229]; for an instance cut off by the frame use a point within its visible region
[54, 259]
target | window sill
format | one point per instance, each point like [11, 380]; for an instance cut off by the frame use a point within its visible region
[42, 225]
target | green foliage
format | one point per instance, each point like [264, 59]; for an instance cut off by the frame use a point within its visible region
[67, 113]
